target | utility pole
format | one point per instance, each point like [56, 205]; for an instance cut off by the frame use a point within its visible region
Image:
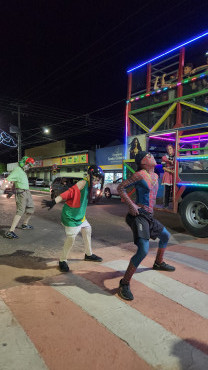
[19, 144]
[19, 135]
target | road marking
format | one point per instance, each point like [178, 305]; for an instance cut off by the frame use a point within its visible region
[187, 260]
[160, 348]
[186, 296]
[196, 245]
[16, 350]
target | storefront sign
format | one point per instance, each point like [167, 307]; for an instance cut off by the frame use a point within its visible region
[74, 159]
[51, 161]
[38, 164]
[112, 155]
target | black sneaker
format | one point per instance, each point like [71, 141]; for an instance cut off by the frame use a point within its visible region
[163, 267]
[63, 267]
[93, 258]
[11, 235]
[125, 292]
[27, 227]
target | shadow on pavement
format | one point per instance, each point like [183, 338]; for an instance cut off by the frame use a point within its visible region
[185, 354]
[82, 280]
[24, 259]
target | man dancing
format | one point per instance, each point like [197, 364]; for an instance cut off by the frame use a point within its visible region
[140, 219]
[23, 197]
[73, 215]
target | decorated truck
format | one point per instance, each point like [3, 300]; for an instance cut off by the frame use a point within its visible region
[167, 105]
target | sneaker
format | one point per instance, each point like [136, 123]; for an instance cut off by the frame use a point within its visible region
[163, 267]
[125, 292]
[93, 258]
[63, 266]
[27, 227]
[11, 235]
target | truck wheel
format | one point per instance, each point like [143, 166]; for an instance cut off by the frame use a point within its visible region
[194, 213]
[107, 193]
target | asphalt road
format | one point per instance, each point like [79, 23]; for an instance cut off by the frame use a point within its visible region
[50, 319]
[40, 248]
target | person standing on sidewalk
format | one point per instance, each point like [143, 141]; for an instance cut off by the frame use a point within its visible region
[24, 202]
[73, 215]
[140, 219]
[167, 180]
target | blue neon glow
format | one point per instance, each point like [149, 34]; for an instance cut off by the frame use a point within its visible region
[168, 52]
[191, 184]
[7, 140]
[193, 158]
[126, 135]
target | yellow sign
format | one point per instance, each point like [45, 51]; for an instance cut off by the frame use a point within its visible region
[75, 159]
[51, 161]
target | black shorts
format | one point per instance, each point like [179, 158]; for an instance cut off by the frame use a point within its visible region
[144, 225]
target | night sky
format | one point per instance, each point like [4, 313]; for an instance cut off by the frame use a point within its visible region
[65, 62]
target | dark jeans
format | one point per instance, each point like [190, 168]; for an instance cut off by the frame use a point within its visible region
[168, 192]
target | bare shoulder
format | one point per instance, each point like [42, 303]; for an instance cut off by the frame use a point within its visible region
[81, 184]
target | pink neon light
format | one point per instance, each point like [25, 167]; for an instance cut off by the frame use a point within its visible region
[160, 138]
[199, 136]
[193, 141]
[167, 133]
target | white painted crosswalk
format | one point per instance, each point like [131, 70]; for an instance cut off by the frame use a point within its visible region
[186, 296]
[76, 321]
[143, 335]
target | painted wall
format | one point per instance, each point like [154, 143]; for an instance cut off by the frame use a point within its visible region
[47, 150]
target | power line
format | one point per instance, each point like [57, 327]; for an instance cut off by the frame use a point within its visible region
[87, 48]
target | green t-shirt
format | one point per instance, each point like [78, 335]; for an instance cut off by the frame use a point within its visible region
[75, 216]
[19, 177]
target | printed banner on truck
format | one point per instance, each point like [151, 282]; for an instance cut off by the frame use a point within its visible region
[135, 144]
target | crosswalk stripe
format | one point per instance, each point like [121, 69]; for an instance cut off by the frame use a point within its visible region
[16, 350]
[66, 336]
[153, 343]
[196, 245]
[153, 305]
[196, 263]
[193, 252]
[186, 296]
[185, 274]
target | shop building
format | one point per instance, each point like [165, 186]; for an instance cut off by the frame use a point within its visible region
[110, 160]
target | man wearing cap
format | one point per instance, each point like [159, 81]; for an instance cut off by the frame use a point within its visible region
[140, 219]
[24, 202]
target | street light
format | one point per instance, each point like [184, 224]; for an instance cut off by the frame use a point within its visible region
[46, 130]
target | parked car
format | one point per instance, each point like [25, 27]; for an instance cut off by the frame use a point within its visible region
[32, 180]
[40, 182]
[61, 184]
[111, 188]
[6, 186]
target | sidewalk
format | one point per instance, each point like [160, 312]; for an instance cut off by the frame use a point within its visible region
[77, 321]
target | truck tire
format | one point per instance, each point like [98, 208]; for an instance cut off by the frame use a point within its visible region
[194, 213]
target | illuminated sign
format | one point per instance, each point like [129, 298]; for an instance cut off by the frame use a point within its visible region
[74, 159]
[38, 164]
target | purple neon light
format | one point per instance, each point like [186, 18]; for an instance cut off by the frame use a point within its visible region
[199, 136]
[193, 141]
[126, 134]
[167, 134]
[163, 139]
